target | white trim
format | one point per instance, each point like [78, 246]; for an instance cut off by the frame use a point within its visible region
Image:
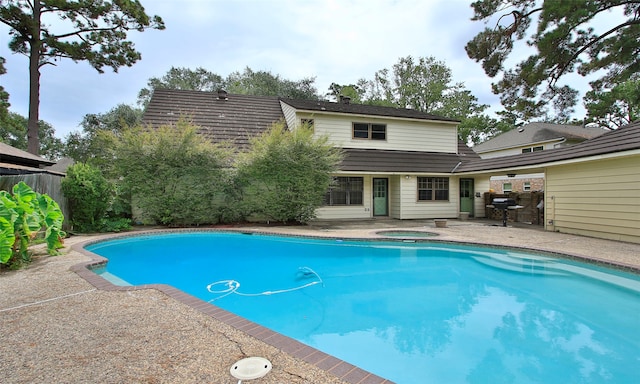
[371, 116]
[523, 145]
[528, 168]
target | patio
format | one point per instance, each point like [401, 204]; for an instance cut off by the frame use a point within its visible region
[58, 327]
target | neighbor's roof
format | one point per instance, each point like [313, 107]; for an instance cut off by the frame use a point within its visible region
[12, 155]
[626, 138]
[362, 109]
[234, 119]
[537, 133]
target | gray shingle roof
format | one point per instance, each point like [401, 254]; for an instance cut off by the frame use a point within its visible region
[361, 109]
[536, 133]
[376, 160]
[237, 118]
[626, 138]
[9, 154]
[234, 120]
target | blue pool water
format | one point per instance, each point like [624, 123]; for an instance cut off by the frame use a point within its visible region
[409, 312]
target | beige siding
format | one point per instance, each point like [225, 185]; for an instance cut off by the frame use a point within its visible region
[596, 198]
[395, 207]
[290, 115]
[403, 201]
[516, 150]
[352, 211]
[402, 135]
[414, 209]
[481, 184]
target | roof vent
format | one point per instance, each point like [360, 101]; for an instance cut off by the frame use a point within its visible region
[222, 94]
[345, 99]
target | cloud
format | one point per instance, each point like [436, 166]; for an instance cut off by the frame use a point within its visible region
[333, 41]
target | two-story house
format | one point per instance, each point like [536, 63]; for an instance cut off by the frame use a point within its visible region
[399, 163]
[406, 164]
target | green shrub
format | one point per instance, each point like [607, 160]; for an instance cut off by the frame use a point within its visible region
[89, 194]
[286, 173]
[22, 215]
[175, 176]
[115, 224]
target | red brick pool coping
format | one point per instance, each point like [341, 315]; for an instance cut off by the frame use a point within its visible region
[339, 368]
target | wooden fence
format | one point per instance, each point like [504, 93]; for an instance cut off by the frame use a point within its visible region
[42, 183]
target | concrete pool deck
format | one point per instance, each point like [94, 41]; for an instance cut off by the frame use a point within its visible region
[58, 327]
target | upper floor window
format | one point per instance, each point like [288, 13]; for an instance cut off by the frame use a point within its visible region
[532, 149]
[369, 131]
[433, 188]
[307, 122]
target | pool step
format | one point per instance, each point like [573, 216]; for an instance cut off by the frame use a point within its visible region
[113, 279]
[541, 266]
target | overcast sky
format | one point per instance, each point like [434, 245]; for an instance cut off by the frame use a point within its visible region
[332, 40]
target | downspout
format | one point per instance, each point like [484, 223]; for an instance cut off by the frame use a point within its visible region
[558, 144]
[456, 167]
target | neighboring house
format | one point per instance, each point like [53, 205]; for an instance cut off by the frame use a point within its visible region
[533, 137]
[14, 161]
[42, 175]
[592, 188]
[399, 162]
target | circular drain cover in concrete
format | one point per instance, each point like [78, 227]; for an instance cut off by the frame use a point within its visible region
[250, 368]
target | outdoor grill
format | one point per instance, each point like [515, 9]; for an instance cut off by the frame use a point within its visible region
[504, 203]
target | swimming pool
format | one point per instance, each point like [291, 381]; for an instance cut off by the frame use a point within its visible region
[409, 312]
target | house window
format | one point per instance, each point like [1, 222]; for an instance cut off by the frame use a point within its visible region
[369, 131]
[507, 188]
[307, 122]
[433, 188]
[532, 149]
[526, 186]
[345, 191]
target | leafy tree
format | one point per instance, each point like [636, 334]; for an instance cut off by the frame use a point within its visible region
[287, 173]
[182, 78]
[566, 38]
[175, 176]
[13, 131]
[88, 30]
[353, 91]
[247, 82]
[426, 85]
[616, 107]
[92, 145]
[479, 128]
[263, 83]
[89, 194]
[4, 96]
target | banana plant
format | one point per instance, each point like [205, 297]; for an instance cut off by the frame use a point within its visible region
[22, 216]
[53, 218]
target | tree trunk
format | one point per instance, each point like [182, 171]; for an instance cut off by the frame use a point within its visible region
[33, 141]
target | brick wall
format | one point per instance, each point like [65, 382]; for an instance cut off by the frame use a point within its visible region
[517, 185]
